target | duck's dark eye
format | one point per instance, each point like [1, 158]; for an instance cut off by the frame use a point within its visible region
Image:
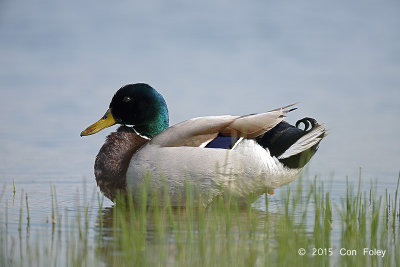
[126, 99]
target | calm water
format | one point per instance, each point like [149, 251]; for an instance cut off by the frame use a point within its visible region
[75, 194]
[60, 64]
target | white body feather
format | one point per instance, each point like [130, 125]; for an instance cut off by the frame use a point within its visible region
[247, 169]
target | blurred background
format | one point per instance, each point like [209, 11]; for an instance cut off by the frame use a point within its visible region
[62, 61]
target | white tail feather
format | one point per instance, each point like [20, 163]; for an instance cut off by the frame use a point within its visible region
[305, 142]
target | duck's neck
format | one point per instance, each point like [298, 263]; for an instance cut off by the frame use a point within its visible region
[113, 160]
[159, 123]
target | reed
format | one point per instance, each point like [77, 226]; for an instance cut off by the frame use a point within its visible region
[226, 233]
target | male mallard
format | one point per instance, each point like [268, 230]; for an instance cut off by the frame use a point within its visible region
[243, 155]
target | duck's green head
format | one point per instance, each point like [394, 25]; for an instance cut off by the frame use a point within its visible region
[137, 104]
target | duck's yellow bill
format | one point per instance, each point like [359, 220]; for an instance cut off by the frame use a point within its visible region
[106, 121]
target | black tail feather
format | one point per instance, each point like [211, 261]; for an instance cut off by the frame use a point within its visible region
[284, 135]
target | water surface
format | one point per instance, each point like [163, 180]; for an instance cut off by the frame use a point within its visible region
[61, 63]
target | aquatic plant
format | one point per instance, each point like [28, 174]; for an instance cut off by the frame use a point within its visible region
[302, 225]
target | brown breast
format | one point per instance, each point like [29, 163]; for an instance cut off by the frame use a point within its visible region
[113, 160]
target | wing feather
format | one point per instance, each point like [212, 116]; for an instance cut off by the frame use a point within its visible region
[197, 131]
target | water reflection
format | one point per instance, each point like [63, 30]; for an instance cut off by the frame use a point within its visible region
[165, 235]
[87, 233]
[273, 228]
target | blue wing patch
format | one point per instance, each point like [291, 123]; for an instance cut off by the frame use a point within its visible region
[223, 142]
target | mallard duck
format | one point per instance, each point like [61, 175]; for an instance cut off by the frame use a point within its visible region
[240, 155]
